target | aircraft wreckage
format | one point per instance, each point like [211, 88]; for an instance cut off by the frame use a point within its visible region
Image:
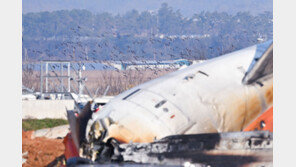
[216, 113]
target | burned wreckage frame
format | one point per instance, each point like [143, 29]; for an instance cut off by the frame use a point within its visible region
[143, 128]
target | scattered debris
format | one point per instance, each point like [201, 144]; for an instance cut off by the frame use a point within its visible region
[215, 149]
[24, 157]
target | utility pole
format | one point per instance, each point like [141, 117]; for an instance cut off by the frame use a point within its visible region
[80, 80]
[86, 53]
[74, 54]
[26, 55]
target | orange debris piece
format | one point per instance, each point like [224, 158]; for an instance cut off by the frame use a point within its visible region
[70, 149]
[263, 122]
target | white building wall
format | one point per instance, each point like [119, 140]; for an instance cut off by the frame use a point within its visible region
[40, 109]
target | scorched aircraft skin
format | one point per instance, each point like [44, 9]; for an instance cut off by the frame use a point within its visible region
[223, 94]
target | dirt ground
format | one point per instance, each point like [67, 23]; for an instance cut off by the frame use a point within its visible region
[41, 151]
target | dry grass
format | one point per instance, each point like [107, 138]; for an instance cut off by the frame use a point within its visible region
[31, 79]
[98, 81]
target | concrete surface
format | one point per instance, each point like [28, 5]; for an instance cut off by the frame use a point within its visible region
[40, 109]
[52, 133]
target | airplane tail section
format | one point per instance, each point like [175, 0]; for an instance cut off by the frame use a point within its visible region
[262, 64]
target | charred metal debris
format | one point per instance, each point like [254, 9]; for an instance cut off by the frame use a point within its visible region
[212, 149]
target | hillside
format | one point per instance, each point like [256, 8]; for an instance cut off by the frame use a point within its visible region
[186, 7]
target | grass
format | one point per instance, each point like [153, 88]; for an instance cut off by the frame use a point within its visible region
[35, 124]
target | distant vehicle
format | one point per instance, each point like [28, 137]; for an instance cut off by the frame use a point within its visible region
[29, 97]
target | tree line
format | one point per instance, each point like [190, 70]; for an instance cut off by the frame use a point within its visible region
[162, 34]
